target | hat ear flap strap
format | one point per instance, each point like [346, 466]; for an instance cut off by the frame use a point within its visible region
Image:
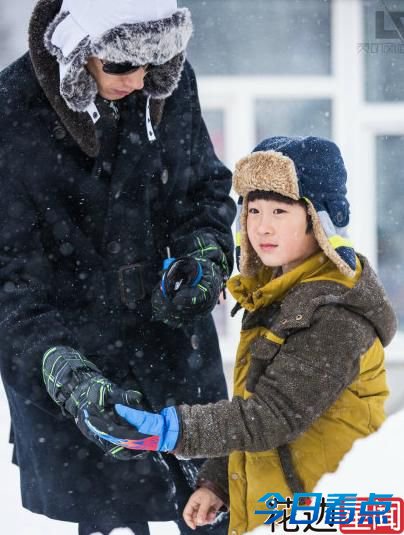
[149, 126]
[238, 231]
[333, 241]
[338, 239]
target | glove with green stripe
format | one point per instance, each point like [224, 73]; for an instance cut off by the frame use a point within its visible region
[80, 389]
[191, 300]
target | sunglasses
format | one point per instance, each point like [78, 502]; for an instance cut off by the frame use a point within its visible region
[121, 68]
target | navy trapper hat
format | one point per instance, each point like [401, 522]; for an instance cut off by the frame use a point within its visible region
[309, 168]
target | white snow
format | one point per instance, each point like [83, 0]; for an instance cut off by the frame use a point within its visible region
[375, 464]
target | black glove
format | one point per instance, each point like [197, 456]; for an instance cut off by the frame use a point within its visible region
[79, 388]
[184, 272]
[191, 285]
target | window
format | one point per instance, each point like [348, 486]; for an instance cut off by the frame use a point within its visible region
[214, 119]
[384, 50]
[13, 29]
[292, 117]
[390, 218]
[261, 37]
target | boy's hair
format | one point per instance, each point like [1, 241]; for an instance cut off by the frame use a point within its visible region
[263, 195]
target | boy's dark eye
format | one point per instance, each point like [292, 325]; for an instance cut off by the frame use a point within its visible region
[279, 211]
[253, 211]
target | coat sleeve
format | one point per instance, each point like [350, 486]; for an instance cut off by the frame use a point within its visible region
[304, 379]
[214, 476]
[205, 209]
[29, 325]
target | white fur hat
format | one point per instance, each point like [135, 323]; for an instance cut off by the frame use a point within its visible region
[142, 32]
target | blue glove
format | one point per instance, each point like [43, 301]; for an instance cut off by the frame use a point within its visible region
[155, 432]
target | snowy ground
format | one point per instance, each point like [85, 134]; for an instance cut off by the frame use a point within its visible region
[375, 464]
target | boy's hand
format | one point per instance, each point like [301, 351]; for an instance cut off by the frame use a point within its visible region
[148, 431]
[202, 508]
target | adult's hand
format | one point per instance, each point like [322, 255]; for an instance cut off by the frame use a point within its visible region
[191, 285]
[80, 389]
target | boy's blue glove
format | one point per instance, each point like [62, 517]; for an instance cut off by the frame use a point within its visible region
[155, 432]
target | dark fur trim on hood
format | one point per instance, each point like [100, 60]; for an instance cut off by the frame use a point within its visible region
[160, 44]
[46, 69]
[78, 124]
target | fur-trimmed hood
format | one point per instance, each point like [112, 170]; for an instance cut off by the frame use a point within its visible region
[46, 67]
[79, 31]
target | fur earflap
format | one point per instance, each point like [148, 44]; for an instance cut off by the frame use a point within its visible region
[333, 253]
[249, 262]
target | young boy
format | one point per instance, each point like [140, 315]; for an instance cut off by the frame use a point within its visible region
[309, 375]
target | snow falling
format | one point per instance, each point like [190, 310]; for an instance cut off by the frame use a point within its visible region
[329, 68]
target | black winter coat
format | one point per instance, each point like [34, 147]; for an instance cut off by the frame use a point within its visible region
[82, 240]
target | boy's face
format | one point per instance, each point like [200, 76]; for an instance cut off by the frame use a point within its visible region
[277, 232]
[115, 87]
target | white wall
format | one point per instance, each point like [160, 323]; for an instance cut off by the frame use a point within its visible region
[13, 29]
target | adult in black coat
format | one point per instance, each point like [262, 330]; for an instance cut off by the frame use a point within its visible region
[88, 206]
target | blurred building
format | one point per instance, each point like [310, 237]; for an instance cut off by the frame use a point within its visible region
[332, 68]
